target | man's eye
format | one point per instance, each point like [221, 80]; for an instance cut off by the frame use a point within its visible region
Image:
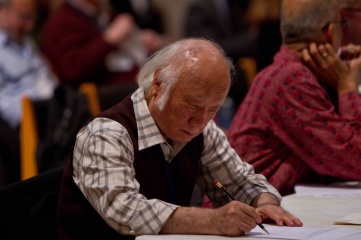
[213, 111]
[194, 106]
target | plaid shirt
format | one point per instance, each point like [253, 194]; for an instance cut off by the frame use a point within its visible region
[104, 172]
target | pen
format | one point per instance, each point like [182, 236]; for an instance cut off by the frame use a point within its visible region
[233, 198]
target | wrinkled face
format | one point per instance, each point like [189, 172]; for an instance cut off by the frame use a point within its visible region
[19, 18]
[192, 103]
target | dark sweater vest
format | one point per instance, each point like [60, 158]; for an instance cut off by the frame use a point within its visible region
[77, 219]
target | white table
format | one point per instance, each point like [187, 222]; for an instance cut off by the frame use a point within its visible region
[322, 211]
[313, 212]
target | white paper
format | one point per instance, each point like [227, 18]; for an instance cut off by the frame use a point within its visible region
[276, 232]
[354, 219]
[300, 233]
[329, 191]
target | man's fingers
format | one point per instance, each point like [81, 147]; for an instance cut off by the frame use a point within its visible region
[281, 216]
[323, 51]
[308, 60]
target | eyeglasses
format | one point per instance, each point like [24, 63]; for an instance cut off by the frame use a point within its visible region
[345, 24]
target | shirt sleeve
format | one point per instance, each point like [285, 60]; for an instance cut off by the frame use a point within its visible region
[220, 162]
[103, 170]
[325, 136]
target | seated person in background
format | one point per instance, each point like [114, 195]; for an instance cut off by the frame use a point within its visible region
[144, 12]
[147, 19]
[288, 127]
[85, 42]
[22, 73]
[224, 22]
[44, 9]
[134, 166]
[265, 15]
[352, 12]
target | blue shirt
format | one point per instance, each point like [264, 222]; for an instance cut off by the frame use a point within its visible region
[22, 73]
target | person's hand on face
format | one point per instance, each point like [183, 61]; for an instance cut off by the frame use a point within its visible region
[349, 52]
[325, 63]
[351, 55]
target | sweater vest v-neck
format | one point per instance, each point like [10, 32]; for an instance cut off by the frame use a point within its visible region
[77, 219]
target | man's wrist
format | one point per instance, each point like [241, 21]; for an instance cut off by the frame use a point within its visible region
[267, 203]
[265, 199]
[350, 84]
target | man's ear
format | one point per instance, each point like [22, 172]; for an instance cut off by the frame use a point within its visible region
[156, 84]
[281, 31]
[329, 33]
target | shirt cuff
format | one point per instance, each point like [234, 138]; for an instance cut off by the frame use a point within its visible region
[153, 221]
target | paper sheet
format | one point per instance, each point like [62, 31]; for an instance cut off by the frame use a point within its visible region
[314, 233]
[276, 232]
[354, 219]
[351, 189]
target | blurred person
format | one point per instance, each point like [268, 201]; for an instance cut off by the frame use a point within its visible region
[224, 23]
[23, 72]
[145, 13]
[352, 11]
[86, 42]
[44, 9]
[134, 166]
[148, 20]
[300, 122]
[264, 15]
[174, 15]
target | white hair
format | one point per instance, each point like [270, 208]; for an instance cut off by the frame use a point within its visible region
[171, 59]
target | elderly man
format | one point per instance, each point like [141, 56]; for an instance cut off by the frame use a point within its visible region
[300, 123]
[22, 73]
[134, 166]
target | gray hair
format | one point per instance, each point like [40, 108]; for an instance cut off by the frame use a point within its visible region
[4, 3]
[304, 23]
[171, 59]
[351, 4]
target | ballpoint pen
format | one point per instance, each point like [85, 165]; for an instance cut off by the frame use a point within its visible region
[233, 198]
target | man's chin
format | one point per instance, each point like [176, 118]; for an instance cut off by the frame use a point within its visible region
[184, 139]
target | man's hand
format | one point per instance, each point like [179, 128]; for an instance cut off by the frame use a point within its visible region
[119, 30]
[279, 215]
[233, 219]
[349, 52]
[327, 65]
[151, 40]
[267, 205]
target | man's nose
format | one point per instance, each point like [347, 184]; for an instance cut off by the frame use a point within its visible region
[199, 119]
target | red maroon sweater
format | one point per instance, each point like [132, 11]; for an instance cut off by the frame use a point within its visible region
[290, 130]
[73, 44]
